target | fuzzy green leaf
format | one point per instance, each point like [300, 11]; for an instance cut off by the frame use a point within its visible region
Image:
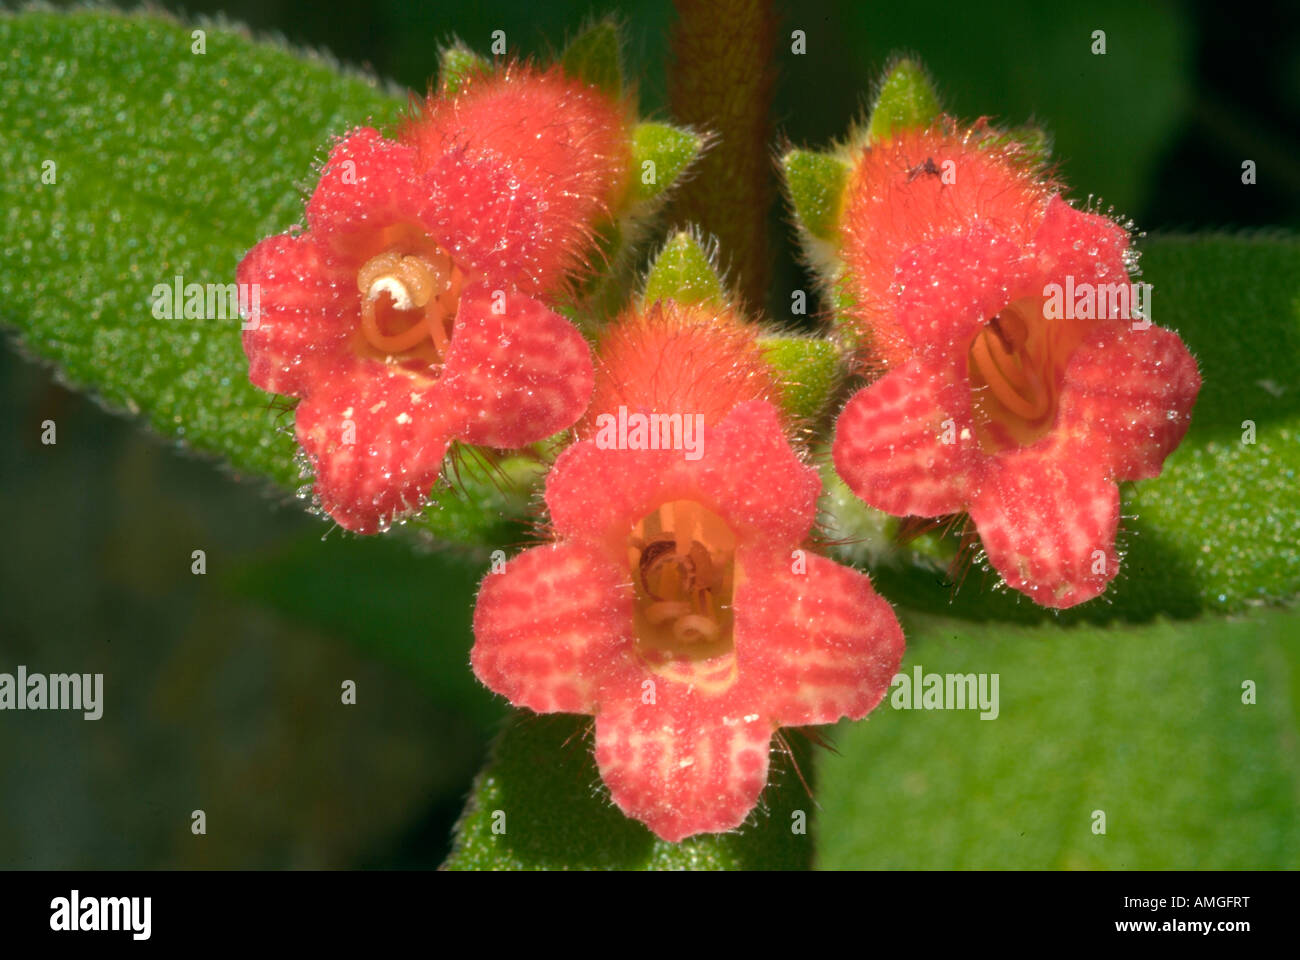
[1226, 510]
[1146, 724]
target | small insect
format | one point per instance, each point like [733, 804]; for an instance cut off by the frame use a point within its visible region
[928, 167]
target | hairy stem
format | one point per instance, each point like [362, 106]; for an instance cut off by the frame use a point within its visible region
[722, 81]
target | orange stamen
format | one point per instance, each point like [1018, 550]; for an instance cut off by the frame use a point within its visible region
[1015, 371]
[682, 559]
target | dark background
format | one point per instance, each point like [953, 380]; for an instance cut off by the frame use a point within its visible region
[222, 690]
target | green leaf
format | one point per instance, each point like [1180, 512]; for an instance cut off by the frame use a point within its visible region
[168, 163]
[539, 805]
[907, 99]
[144, 194]
[1224, 509]
[1146, 724]
[683, 271]
[456, 64]
[594, 56]
[808, 371]
[660, 153]
[815, 182]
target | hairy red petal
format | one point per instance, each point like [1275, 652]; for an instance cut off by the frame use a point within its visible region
[747, 474]
[1130, 392]
[520, 374]
[566, 137]
[496, 225]
[531, 158]
[906, 444]
[369, 185]
[949, 287]
[760, 485]
[597, 494]
[552, 627]
[399, 426]
[1086, 246]
[1048, 523]
[684, 763]
[299, 320]
[821, 644]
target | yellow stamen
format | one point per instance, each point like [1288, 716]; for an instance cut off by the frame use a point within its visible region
[682, 559]
[665, 610]
[1016, 364]
[414, 287]
[694, 628]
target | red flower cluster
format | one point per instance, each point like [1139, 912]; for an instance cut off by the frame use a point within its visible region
[413, 311]
[1004, 397]
[678, 602]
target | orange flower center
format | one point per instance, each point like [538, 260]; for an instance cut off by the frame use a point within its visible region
[1017, 364]
[408, 303]
[682, 560]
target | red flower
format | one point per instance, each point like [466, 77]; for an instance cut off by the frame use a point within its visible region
[1006, 398]
[677, 604]
[411, 312]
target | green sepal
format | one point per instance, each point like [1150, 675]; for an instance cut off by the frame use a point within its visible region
[907, 100]
[594, 56]
[456, 64]
[807, 371]
[815, 182]
[684, 271]
[660, 153]
[1033, 142]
